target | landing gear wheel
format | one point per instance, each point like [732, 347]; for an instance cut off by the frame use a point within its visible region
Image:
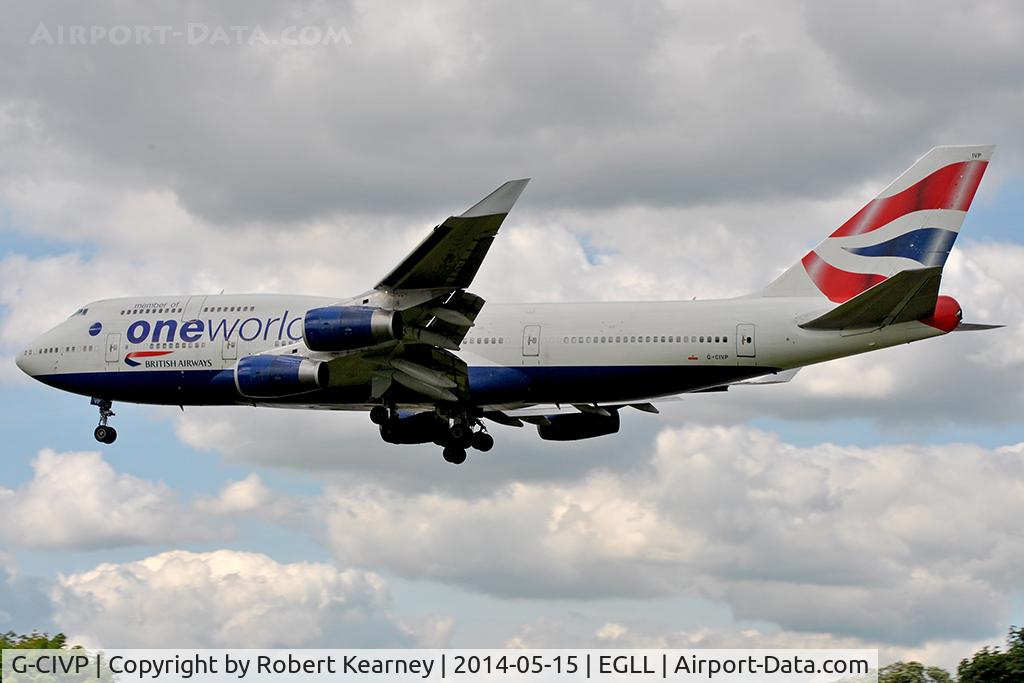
[105, 434]
[459, 434]
[454, 454]
[482, 441]
[458, 431]
[379, 415]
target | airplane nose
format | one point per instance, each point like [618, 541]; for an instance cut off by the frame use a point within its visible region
[22, 361]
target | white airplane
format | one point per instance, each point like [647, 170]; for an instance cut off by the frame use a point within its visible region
[430, 362]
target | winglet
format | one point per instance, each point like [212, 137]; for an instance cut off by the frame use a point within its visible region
[498, 202]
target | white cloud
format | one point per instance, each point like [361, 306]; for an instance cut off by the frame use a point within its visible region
[547, 633]
[248, 495]
[902, 544]
[77, 500]
[224, 599]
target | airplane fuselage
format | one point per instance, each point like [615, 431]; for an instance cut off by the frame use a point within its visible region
[182, 350]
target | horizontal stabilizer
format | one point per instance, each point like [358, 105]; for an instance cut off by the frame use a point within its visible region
[780, 377]
[975, 327]
[906, 296]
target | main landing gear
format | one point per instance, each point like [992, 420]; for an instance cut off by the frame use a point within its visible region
[104, 433]
[455, 432]
[464, 432]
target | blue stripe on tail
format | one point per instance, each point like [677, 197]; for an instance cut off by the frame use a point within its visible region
[927, 246]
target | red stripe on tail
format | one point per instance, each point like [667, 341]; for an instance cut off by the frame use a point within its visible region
[838, 285]
[950, 187]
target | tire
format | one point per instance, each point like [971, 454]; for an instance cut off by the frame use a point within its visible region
[378, 415]
[483, 442]
[105, 434]
[458, 432]
[454, 455]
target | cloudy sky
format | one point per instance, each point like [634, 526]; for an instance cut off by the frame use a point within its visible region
[677, 150]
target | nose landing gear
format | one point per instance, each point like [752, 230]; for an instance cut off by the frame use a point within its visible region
[104, 433]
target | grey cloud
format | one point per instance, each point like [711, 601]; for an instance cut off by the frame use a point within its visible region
[24, 600]
[620, 104]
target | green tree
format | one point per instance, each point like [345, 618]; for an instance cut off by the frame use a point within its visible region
[913, 672]
[990, 665]
[33, 641]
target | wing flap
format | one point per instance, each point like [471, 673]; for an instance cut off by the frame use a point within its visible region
[444, 321]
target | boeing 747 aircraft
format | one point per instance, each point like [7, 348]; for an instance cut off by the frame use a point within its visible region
[431, 362]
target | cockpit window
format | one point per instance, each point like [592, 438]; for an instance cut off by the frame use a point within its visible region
[80, 311]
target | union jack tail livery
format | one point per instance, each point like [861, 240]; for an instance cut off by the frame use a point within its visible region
[910, 225]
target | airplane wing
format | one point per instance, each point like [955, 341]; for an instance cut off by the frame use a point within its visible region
[539, 413]
[429, 286]
[428, 289]
[451, 255]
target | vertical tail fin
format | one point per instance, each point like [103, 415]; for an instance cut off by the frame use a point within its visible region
[911, 224]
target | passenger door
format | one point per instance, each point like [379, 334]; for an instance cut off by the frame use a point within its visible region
[745, 347]
[113, 352]
[531, 344]
[229, 350]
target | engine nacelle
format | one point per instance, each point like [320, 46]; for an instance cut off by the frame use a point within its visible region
[343, 328]
[275, 376]
[576, 426]
[418, 428]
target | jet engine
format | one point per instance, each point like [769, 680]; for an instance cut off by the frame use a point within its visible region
[274, 376]
[343, 328]
[576, 426]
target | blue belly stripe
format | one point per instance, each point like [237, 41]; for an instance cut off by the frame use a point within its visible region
[488, 385]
